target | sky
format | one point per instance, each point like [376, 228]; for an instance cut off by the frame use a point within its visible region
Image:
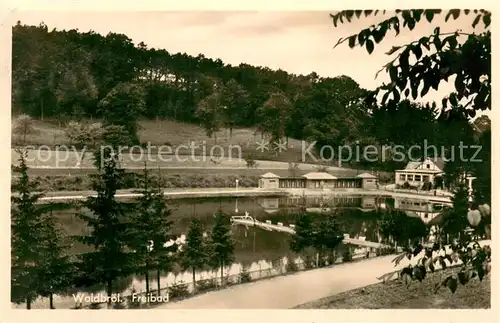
[299, 42]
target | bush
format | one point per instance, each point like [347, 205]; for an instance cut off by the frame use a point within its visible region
[95, 306]
[385, 251]
[321, 169]
[406, 185]
[244, 276]
[119, 306]
[427, 186]
[178, 290]
[291, 266]
[206, 284]
[309, 262]
[82, 182]
[346, 256]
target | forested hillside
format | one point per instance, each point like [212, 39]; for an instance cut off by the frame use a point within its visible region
[70, 75]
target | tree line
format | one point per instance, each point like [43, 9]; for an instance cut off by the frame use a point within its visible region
[70, 75]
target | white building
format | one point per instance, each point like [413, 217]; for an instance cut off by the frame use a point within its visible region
[417, 173]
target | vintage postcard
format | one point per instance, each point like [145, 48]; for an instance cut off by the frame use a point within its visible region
[295, 160]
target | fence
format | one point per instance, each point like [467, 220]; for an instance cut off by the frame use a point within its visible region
[181, 290]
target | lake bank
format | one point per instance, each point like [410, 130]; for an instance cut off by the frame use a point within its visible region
[173, 193]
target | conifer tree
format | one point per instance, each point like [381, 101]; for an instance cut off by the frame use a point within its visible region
[222, 244]
[151, 229]
[27, 222]
[111, 257]
[194, 255]
[57, 270]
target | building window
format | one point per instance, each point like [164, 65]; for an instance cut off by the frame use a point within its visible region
[409, 178]
[402, 177]
[272, 181]
[418, 178]
[428, 166]
[425, 178]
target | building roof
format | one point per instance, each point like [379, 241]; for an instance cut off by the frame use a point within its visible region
[419, 171]
[439, 162]
[319, 176]
[413, 165]
[366, 175]
[269, 175]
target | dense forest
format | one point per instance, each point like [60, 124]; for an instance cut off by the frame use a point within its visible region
[75, 75]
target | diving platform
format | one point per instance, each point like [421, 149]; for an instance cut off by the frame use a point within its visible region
[247, 220]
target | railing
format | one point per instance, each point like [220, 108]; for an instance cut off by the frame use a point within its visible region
[181, 290]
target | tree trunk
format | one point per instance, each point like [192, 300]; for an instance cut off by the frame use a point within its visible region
[146, 277]
[41, 109]
[230, 132]
[194, 279]
[28, 303]
[221, 273]
[109, 291]
[158, 280]
[51, 301]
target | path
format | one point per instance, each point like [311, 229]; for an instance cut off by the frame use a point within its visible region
[249, 221]
[171, 193]
[244, 192]
[293, 290]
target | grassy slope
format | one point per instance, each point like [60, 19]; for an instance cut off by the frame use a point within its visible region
[161, 132]
[394, 295]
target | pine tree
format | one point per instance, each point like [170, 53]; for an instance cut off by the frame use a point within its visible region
[151, 229]
[222, 244]
[304, 234]
[27, 236]
[57, 270]
[194, 255]
[111, 258]
[328, 234]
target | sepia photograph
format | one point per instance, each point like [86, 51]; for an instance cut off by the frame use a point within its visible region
[251, 160]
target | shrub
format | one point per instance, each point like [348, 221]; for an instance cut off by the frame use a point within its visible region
[178, 290]
[427, 186]
[321, 169]
[406, 185]
[244, 276]
[291, 266]
[95, 306]
[385, 251]
[119, 305]
[206, 284]
[346, 256]
[309, 262]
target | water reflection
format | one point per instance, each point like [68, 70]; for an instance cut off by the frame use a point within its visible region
[257, 249]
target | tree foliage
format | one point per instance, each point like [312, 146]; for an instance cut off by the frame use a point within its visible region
[110, 257]
[221, 243]
[440, 56]
[39, 263]
[151, 230]
[195, 254]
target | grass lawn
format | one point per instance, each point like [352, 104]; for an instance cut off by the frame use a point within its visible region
[394, 295]
[174, 133]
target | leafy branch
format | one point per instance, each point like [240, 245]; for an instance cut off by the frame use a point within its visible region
[467, 60]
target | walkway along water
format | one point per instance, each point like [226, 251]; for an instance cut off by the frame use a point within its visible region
[292, 290]
[249, 221]
[244, 192]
